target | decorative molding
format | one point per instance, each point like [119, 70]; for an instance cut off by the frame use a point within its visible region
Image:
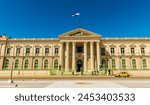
[47, 46]
[112, 46]
[142, 45]
[122, 46]
[37, 46]
[132, 45]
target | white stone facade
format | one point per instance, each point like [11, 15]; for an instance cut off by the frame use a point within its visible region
[77, 51]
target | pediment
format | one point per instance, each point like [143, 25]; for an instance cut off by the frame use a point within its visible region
[79, 32]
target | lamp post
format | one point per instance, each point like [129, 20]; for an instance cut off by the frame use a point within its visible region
[11, 73]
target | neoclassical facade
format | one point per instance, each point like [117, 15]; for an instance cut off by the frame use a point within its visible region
[77, 51]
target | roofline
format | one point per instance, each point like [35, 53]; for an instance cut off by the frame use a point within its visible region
[78, 29]
[125, 38]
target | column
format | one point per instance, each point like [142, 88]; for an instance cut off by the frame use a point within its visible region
[0, 48]
[73, 56]
[61, 57]
[118, 63]
[3, 50]
[42, 63]
[85, 56]
[98, 55]
[92, 56]
[67, 57]
[14, 50]
[22, 51]
[1, 63]
[32, 50]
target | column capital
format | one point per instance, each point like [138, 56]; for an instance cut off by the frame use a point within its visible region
[74, 42]
[85, 43]
[91, 43]
[97, 43]
[67, 43]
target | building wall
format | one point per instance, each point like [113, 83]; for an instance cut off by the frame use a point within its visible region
[138, 43]
[55, 43]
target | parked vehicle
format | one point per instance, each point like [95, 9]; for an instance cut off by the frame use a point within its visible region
[122, 74]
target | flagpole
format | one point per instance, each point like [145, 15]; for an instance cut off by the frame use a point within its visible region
[78, 18]
[79, 21]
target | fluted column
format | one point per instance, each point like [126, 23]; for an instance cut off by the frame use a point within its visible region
[98, 55]
[67, 57]
[73, 56]
[85, 56]
[92, 56]
[61, 57]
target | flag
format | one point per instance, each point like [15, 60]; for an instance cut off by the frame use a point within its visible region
[76, 14]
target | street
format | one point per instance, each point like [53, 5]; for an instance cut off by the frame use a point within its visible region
[77, 83]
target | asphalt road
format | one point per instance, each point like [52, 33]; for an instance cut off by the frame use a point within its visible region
[77, 83]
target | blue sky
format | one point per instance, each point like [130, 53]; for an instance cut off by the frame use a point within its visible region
[49, 18]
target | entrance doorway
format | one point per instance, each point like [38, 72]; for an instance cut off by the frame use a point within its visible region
[79, 65]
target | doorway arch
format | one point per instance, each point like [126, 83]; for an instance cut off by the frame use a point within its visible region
[79, 65]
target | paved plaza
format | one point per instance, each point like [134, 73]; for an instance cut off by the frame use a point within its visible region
[77, 83]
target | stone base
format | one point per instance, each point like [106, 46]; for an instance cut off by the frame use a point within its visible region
[68, 73]
[10, 81]
[59, 73]
[87, 73]
[77, 73]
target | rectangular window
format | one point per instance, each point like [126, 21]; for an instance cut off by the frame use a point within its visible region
[102, 51]
[112, 50]
[122, 51]
[79, 49]
[56, 50]
[142, 50]
[46, 50]
[132, 51]
[37, 50]
[17, 51]
[27, 50]
[8, 50]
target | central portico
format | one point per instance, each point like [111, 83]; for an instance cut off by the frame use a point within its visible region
[80, 51]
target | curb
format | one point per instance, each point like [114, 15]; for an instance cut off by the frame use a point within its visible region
[65, 77]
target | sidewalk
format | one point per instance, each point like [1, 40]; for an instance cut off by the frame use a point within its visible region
[68, 76]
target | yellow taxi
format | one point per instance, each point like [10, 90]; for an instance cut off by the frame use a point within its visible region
[122, 74]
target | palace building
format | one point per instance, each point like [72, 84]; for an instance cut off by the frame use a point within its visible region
[78, 51]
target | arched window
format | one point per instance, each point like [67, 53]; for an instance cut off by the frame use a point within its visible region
[56, 64]
[103, 63]
[6, 64]
[123, 64]
[113, 64]
[133, 63]
[144, 64]
[36, 64]
[16, 64]
[46, 64]
[26, 64]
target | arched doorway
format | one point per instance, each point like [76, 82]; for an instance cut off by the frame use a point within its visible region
[79, 65]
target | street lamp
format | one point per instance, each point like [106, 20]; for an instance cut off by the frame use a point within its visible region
[11, 74]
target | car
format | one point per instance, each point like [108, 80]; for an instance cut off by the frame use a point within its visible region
[122, 74]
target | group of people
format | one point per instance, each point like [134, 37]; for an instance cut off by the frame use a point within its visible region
[97, 72]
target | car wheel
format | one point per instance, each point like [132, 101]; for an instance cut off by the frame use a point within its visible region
[118, 75]
[127, 75]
